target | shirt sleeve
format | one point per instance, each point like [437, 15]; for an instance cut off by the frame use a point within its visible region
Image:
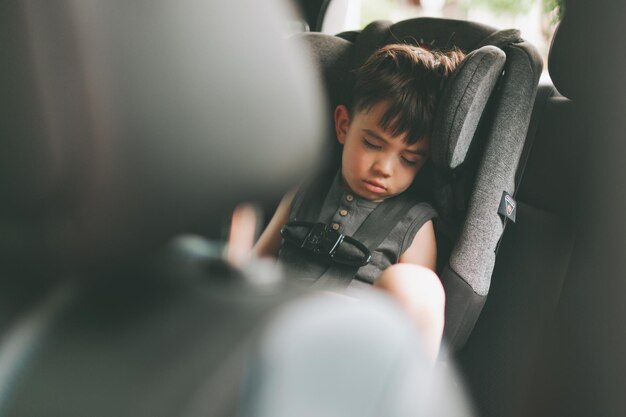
[415, 219]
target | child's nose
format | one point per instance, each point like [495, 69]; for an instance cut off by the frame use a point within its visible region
[383, 167]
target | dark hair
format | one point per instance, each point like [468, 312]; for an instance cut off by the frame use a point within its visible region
[410, 79]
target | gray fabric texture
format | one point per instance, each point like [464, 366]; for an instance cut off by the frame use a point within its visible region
[501, 37]
[441, 34]
[371, 38]
[462, 105]
[356, 211]
[474, 254]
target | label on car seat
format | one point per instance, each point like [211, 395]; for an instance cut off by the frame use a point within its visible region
[507, 206]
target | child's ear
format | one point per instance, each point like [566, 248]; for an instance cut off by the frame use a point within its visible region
[342, 123]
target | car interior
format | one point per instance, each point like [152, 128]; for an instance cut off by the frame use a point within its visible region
[121, 121]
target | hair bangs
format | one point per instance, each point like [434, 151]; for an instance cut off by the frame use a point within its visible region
[406, 117]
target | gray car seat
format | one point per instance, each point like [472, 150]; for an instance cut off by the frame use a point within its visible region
[551, 338]
[477, 141]
[550, 341]
[121, 128]
[532, 263]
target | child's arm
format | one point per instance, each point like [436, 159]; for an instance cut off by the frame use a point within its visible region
[269, 242]
[423, 250]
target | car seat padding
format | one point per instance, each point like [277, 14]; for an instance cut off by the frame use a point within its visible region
[462, 104]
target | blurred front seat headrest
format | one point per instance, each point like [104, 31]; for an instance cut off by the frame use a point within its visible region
[585, 60]
[125, 123]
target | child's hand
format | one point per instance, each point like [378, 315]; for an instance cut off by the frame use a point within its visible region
[241, 239]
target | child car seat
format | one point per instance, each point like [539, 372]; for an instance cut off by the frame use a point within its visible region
[478, 137]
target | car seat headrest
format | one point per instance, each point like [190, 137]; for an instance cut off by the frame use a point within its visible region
[153, 114]
[464, 98]
[584, 61]
[565, 65]
[465, 95]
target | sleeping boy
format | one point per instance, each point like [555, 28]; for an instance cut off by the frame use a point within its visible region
[385, 136]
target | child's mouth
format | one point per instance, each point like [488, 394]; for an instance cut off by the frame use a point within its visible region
[374, 186]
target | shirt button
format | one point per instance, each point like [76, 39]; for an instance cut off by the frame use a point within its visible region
[344, 212]
[349, 197]
[335, 226]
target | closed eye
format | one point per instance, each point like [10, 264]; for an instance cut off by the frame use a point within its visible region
[409, 162]
[370, 145]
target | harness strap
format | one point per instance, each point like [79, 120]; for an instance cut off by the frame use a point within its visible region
[323, 241]
[382, 219]
[374, 229]
[308, 201]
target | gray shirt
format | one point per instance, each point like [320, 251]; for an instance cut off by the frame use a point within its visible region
[348, 211]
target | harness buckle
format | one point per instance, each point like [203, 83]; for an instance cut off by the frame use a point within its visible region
[326, 243]
[322, 240]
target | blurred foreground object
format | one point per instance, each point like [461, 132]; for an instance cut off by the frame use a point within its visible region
[125, 126]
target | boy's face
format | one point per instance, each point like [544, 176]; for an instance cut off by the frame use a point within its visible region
[375, 164]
